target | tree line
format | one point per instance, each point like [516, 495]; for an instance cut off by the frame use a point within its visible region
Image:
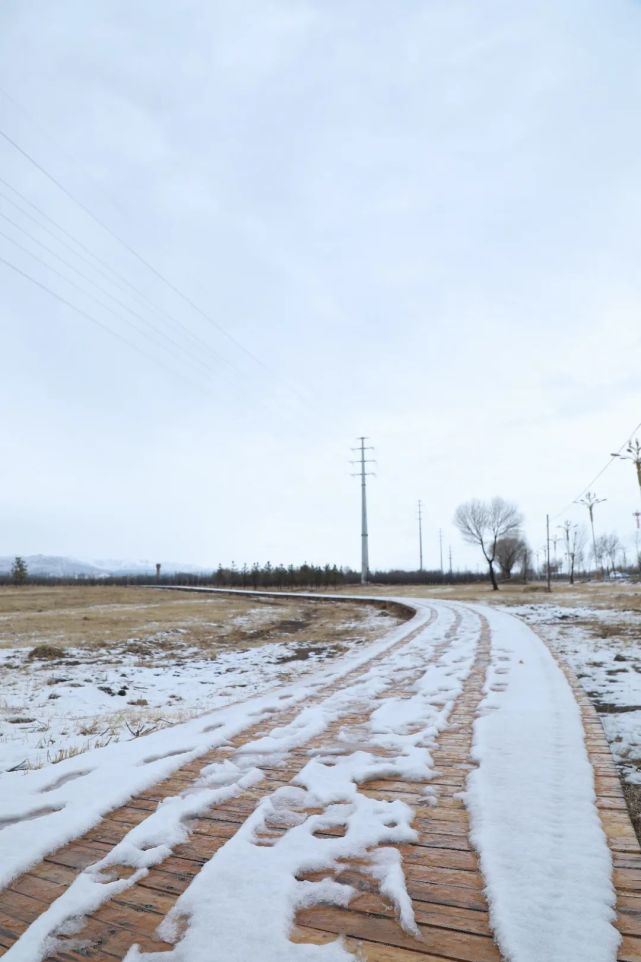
[495, 527]
[254, 577]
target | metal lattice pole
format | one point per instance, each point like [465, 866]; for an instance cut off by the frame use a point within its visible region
[363, 473]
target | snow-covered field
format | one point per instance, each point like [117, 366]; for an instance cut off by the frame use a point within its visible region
[68, 798]
[603, 648]
[52, 708]
[547, 866]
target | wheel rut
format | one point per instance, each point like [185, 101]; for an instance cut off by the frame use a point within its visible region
[441, 868]
[445, 917]
[443, 878]
[30, 895]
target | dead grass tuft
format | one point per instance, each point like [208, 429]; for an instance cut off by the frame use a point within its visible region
[632, 794]
[46, 653]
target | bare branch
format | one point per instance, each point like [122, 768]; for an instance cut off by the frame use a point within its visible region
[485, 523]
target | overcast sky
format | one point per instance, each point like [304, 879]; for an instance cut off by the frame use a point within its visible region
[418, 221]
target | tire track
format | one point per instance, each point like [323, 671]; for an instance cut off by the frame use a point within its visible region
[442, 870]
[30, 895]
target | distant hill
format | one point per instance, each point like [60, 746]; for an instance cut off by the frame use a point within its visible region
[56, 566]
[53, 566]
[116, 567]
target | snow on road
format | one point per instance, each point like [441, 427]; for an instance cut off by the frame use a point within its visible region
[545, 859]
[603, 649]
[151, 841]
[405, 730]
[534, 819]
[41, 810]
[93, 696]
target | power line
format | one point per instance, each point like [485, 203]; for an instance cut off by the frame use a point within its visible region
[101, 324]
[173, 287]
[117, 277]
[195, 359]
[120, 281]
[87, 315]
[83, 247]
[101, 303]
[597, 476]
[54, 140]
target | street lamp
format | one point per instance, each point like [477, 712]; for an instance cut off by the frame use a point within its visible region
[566, 528]
[633, 454]
[590, 501]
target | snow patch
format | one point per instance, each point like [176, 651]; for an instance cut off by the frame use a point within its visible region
[109, 776]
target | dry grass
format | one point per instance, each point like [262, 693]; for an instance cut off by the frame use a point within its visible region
[82, 636]
[154, 621]
[611, 596]
[632, 795]
[46, 619]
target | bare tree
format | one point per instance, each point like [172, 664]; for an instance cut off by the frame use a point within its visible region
[485, 523]
[509, 551]
[609, 546]
[574, 537]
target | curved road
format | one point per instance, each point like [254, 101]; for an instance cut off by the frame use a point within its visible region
[447, 794]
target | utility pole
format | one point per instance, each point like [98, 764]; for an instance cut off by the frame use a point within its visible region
[636, 515]
[440, 545]
[590, 501]
[547, 549]
[633, 454]
[450, 549]
[420, 535]
[363, 461]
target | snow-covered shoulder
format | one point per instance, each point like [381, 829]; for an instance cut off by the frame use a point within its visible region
[535, 824]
